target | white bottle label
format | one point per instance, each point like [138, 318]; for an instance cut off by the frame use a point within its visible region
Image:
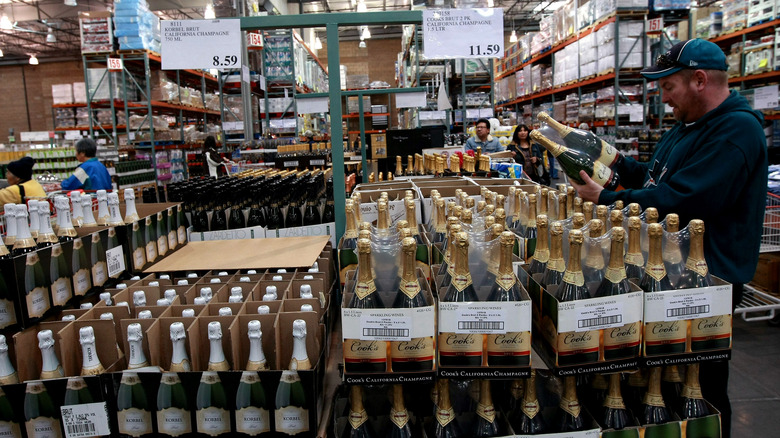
[182, 236]
[99, 274]
[7, 313]
[138, 258]
[174, 421]
[213, 421]
[292, 420]
[252, 420]
[43, 427]
[10, 430]
[134, 421]
[61, 291]
[151, 251]
[37, 302]
[81, 282]
[162, 245]
[172, 240]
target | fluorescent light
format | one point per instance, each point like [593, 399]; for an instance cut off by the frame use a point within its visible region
[1, 53]
[71, 3]
[361, 6]
[209, 13]
[550, 7]
[513, 37]
[366, 34]
[490, 3]
[317, 44]
[50, 37]
[33, 60]
[362, 44]
[5, 23]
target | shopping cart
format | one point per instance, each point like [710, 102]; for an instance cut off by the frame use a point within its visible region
[757, 305]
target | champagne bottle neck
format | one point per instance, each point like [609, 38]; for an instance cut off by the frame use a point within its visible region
[179, 352]
[556, 247]
[299, 353]
[398, 398]
[530, 390]
[574, 264]
[89, 357]
[696, 251]
[137, 355]
[216, 354]
[6, 367]
[365, 270]
[634, 241]
[655, 254]
[408, 266]
[256, 353]
[505, 261]
[542, 240]
[49, 361]
[616, 254]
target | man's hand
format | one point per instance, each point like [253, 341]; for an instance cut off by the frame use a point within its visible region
[589, 191]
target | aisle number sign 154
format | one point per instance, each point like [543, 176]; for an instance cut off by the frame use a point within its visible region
[201, 44]
[463, 33]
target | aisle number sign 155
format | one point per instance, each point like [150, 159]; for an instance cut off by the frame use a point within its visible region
[463, 33]
[201, 44]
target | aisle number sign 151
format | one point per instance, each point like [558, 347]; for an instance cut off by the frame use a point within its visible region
[200, 44]
[463, 33]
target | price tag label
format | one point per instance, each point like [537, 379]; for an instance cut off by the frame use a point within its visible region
[356, 158]
[471, 320]
[386, 328]
[87, 420]
[679, 308]
[201, 44]
[602, 316]
[114, 64]
[463, 33]
[317, 162]
[115, 260]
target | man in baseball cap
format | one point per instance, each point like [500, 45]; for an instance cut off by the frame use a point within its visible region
[711, 165]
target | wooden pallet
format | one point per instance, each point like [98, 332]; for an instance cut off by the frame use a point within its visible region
[588, 77]
[730, 31]
[137, 52]
[606, 72]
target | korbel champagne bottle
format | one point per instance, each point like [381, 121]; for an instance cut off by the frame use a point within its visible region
[138, 247]
[573, 286]
[10, 224]
[417, 353]
[82, 278]
[161, 232]
[252, 406]
[173, 409]
[217, 359]
[46, 236]
[41, 416]
[50, 363]
[256, 360]
[213, 412]
[114, 215]
[103, 214]
[24, 242]
[135, 341]
[98, 258]
[77, 392]
[573, 161]
[9, 426]
[86, 211]
[531, 231]
[65, 230]
[358, 425]
[36, 288]
[150, 240]
[134, 415]
[654, 278]
[59, 273]
[584, 141]
[300, 356]
[180, 360]
[291, 415]
[90, 363]
[131, 215]
[8, 373]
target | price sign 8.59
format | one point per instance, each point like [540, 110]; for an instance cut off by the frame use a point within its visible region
[463, 33]
[201, 44]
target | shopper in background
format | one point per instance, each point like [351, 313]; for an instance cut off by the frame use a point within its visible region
[91, 173]
[213, 158]
[483, 139]
[529, 155]
[21, 186]
[701, 170]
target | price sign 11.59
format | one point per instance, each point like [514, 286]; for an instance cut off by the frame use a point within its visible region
[489, 49]
[201, 44]
[463, 33]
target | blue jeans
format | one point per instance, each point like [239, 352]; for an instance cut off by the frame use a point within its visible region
[553, 170]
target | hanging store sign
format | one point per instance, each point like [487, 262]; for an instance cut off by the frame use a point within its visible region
[463, 33]
[254, 41]
[201, 44]
[655, 26]
[115, 64]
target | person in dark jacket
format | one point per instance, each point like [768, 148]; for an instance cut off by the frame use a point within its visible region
[91, 173]
[701, 170]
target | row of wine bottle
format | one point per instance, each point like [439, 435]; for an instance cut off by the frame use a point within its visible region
[263, 194]
[436, 164]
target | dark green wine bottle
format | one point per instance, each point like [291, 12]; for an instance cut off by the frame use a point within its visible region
[693, 405]
[531, 231]
[542, 251]
[173, 409]
[654, 410]
[9, 426]
[98, 260]
[133, 413]
[399, 416]
[358, 425]
[36, 288]
[570, 417]
[252, 406]
[530, 420]
[616, 416]
[291, 416]
[213, 412]
[77, 392]
[654, 278]
[41, 416]
[573, 286]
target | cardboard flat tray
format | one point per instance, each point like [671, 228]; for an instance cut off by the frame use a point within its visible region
[287, 252]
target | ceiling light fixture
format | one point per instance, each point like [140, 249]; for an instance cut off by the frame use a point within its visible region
[209, 13]
[33, 60]
[362, 44]
[317, 43]
[361, 6]
[5, 23]
[71, 3]
[50, 37]
[366, 34]
[490, 3]
[513, 37]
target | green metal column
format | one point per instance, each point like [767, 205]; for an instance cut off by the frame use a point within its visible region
[336, 129]
[362, 138]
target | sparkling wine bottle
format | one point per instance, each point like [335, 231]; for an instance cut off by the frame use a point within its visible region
[98, 260]
[213, 413]
[553, 272]
[10, 224]
[570, 417]
[135, 340]
[90, 363]
[584, 141]
[696, 273]
[671, 387]
[615, 281]
[446, 424]
[486, 424]
[41, 416]
[77, 392]
[634, 260]
[654, 410]
[358, 425]
[82, 277]
[593, 268]
[50, 363]
[46, 236]
[529, 419]
[86, 211]
[542, 252]
[36, 288]
[180, 360]
[616, 218]
[573, 286]
[131, 214]
[217, 359]
[24, 242]
[256, 360]
[150, 240]
[173, 409]
[252, 406]
[300, 356]
[616, 416]
[531, 232]
[654, 278]
[693, 405]
[8, 373]
[8, 424]
[134, 415]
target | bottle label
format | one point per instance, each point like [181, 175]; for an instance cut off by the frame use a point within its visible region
[10, 429]
[399, 418]
[601, 174]
[557, 265]
[413, 350]
[488, 412]
[364, 289]
[657, 272]
[37, 302]
[7, 313]
[614, 402]
[622, 337]
[43, 427]
[213, 421]
[99, 273]
[174, 421]
[81, 281]
[570, 406]
[162, 245]
[697, 266]
[461, 282]
[542, 255]
[292, 420]
[571, 343]
[509, 344]
[615, 275]
[574, 277]
[139, 259]
[368, 351]
[651, 399]
[506, 281]
[134, 422]
[635, 258]
[252, 420]
[410, 288]
[457, 344]
[151, 251]
[182, 235]
[445, 416]
[61, 291]
[530, 408]
[660, 333]
[691, 392]
[356, 419]
[609, 154]
[711, 328]
[172, 241]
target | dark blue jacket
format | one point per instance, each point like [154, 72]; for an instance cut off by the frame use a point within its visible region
[715, 170]
[90, 175]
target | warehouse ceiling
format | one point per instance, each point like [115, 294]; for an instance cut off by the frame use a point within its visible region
[49, 29]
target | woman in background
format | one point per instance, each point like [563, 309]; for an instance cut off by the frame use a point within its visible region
[527, 154]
